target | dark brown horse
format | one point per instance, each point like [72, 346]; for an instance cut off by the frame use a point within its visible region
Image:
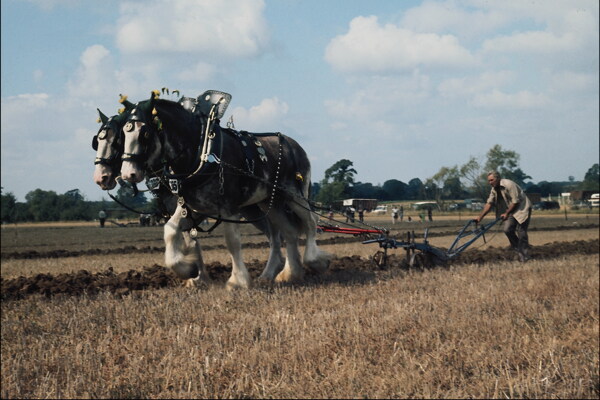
[219, 172]
[109, 146]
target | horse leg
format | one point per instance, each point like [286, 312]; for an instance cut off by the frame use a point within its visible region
[240, 278]
[292, 269]
[314, 258]
[276, 259]
[182, 253]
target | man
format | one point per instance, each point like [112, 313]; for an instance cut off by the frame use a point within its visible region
[513, 206]
[102, 218]
[394, 215]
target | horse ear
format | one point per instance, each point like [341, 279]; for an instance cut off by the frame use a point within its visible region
[128, 105]
[102, 118]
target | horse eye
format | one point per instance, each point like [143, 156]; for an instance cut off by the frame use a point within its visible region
[102, 134]
[128, 127]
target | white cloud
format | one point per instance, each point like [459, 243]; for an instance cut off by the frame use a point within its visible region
[372, 48]
[472, 85]
[211, 29]
[265, 116]
[381, 96]
[531, 43]
[450, 16]
[95, 73]
[17, 112]
[201, 71]
[521, 100]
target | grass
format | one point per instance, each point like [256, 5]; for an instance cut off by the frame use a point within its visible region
[498, 330]
[492, 331]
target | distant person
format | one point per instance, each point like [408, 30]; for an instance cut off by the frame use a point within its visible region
[401, 213]
[514, 208]
[350, 213]
[361, 215]
[330, 215]
[422, 216]
[102, 218]
[394, 215]
[429, 213]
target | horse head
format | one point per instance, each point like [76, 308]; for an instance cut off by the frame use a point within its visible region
[108, 143]
[148, 133]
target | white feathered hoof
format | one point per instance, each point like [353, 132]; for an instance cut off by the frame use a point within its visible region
[239, 280]
[185, 270]
[196, 282]
[287, 276]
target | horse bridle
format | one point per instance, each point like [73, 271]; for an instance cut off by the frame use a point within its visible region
[115, 146]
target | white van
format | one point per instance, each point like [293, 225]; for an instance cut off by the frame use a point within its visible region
[595, 200]
[379, 210]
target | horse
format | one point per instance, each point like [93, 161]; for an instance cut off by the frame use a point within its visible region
[219, 172]
[108, 143]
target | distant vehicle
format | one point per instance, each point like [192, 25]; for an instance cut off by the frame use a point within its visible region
[595, 200]
[380, 210]
[546, 205]
[457, 206]
[424, 205]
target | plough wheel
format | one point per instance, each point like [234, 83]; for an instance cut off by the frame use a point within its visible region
[419, 261]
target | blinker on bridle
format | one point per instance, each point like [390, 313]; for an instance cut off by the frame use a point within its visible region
[102, 135]
[143, 137]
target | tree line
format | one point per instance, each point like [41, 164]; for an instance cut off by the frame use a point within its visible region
[464, 181]
[455, 182]
[46, 205]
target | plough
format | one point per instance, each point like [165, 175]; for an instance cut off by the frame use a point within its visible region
[419, 254]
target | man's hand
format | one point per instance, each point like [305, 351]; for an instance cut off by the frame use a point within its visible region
[504, 216]
[478, 219]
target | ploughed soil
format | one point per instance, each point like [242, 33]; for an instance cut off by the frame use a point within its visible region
[349, 269]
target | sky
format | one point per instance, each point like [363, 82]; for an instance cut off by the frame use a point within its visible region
[400, 88]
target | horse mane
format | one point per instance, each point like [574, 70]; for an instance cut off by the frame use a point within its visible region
[176, 118]
[182, 131]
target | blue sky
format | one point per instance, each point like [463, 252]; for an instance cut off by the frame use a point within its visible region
[400, 88]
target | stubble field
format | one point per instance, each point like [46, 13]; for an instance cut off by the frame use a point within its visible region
[90, 312]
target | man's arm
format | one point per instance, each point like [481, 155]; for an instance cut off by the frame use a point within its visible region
[486, 209]
[509, 211]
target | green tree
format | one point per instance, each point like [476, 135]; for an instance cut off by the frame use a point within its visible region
[473, 173]
[506, 162]
[9, 207]
[341, 171]
[127, 195]
[43, 205]
[330, 192]
[445, 184]
[337, 182]
[395, 189]
[591, 180]
[415, 189]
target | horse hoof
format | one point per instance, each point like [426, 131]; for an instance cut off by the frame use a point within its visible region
[319, 266]
[287, 277]
[235, 285]
[196, 282]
